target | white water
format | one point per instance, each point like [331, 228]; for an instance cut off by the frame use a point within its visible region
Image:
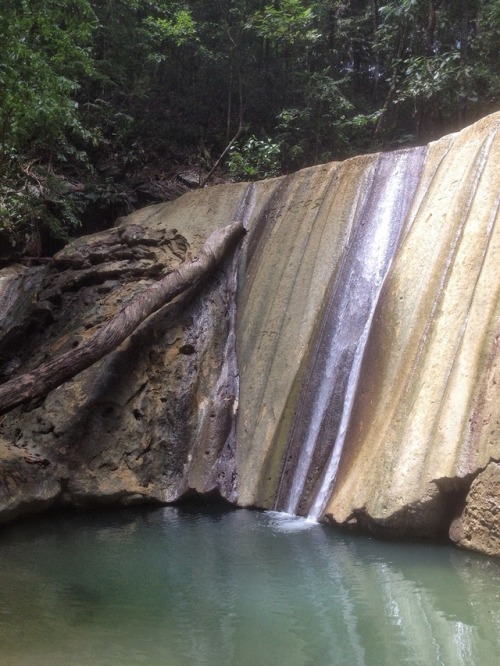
[321, 403]
[288, 522]
[377, 253]
[380, 221]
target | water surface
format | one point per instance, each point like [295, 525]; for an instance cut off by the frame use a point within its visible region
[188, 586]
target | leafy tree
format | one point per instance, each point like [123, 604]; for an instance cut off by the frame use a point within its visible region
[44, 56]
[44, 47]
[254, 159]
[439, 65]
[99, 97]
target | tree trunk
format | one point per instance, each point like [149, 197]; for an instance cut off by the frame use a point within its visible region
[45, 378]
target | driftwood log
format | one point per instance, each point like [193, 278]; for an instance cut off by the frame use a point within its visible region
[50, 375]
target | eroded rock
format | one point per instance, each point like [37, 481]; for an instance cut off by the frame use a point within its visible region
[149, 421]
[478, 526]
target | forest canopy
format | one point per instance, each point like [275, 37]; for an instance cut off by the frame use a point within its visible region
[103, 103]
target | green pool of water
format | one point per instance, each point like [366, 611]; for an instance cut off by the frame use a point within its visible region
[188, 586]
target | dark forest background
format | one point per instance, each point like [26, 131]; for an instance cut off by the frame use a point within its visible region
[107, 105]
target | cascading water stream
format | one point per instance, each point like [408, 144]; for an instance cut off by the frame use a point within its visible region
[327, 394]
[389, 216]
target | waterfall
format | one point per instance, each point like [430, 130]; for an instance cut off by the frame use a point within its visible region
[342, 364]
[326, 397]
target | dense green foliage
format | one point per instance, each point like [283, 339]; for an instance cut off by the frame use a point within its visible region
[101, 101]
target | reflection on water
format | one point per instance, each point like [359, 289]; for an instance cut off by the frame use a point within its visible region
[183, 586]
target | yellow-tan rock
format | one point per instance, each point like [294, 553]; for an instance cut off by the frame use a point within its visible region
[364, 344]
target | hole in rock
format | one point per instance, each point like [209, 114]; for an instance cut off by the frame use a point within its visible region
[187, 350]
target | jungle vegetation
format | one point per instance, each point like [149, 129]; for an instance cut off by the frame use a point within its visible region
[106, 105]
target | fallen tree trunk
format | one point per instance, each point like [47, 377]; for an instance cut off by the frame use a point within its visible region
[45, 378]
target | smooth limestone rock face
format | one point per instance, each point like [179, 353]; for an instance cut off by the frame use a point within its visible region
[367, 324]
[426, 409]
[426, 416]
